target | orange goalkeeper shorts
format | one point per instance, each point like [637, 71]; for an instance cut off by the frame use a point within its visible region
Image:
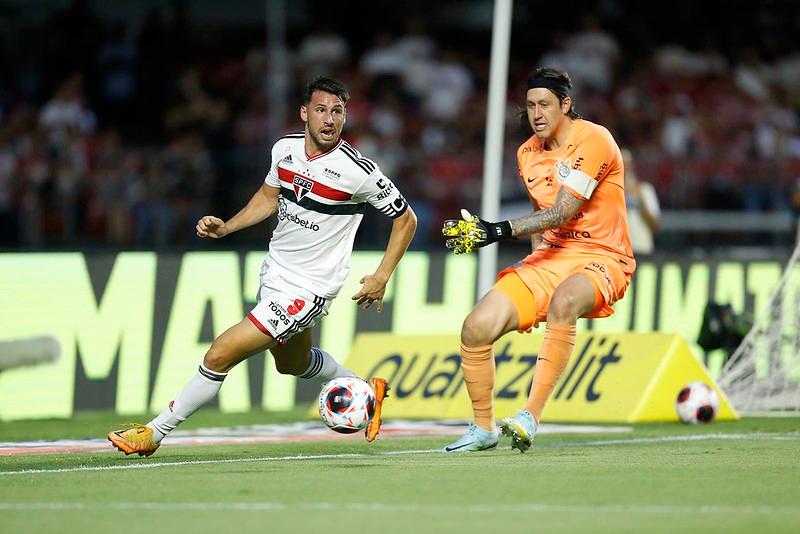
[531, 282]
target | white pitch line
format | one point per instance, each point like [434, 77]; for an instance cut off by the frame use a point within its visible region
[152, 465]
[146, 464]
[694, 437]
[400, 507]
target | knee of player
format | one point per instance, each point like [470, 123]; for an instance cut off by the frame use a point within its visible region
[217, 358]
[474, 331]
[565, 307]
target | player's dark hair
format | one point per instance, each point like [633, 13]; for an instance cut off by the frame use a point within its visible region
[327, 85]
[557, 81]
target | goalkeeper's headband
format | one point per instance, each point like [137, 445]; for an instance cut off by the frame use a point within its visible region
[558, 87]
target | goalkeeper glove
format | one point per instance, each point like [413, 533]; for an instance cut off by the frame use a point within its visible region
[472, 232]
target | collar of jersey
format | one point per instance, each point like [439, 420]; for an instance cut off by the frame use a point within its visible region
[312, 158]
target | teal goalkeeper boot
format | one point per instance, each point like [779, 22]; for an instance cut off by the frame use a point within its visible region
[521, 428]
[474, 439]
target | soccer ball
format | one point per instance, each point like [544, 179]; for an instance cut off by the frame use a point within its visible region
[346, 404]
[697, 403]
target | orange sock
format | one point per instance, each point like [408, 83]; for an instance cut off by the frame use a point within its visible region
[559, 339]
[477, 364]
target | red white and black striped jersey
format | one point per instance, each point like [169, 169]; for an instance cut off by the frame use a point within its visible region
[322, 201]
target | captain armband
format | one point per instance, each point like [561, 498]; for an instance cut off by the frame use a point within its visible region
[581, 183]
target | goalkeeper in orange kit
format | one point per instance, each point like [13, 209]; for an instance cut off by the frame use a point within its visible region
[581, 262]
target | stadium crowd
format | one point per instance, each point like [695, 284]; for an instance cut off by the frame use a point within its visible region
[127, 135]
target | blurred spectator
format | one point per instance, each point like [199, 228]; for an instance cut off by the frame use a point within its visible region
[322, 52]
[116, 64]
[195, 107]
[596, 54]
[644, 211]
[752, 75]
[678, 127]
[67, 110]
[384, 58]
[449, 87]
[119, 136]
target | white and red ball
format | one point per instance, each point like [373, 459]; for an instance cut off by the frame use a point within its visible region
[346, 404]
[697, 403]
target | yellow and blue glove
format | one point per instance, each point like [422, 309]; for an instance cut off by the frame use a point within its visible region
[471, 232]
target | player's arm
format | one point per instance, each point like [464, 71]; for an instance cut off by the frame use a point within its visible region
[373, 286]
[577, 186]
[556, 216]
[536, 239]
[263, 204]
[473, 232]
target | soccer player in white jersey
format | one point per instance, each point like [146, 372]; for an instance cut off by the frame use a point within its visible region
[318, 186]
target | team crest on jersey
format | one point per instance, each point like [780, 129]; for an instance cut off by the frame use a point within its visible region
[302, 186]
[563, 169]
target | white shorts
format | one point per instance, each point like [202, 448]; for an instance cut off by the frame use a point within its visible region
[282, 309]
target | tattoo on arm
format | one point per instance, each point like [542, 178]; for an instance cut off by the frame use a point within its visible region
[565, 206]
[536, 240]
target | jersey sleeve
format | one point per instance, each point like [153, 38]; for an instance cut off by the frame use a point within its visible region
[596, 154]
[379, 191]
[272, 179]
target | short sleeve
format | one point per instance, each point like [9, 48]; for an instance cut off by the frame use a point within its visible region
[272, 179]
[591, 162]
[379, 191]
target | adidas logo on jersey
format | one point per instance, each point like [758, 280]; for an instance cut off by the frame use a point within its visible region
[287, 159]
[274, 323]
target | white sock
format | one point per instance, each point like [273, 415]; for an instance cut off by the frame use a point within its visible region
[203, 387]
[324, 367]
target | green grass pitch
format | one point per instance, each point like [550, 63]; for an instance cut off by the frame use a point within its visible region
[724, 477]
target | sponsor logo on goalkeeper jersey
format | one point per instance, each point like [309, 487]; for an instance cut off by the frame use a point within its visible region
[572, 234]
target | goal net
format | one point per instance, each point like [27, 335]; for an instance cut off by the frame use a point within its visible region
[763, 373]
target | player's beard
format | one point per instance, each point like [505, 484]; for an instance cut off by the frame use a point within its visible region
[321, 143]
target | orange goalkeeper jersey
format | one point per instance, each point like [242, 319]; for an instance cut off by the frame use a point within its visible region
[589, 166]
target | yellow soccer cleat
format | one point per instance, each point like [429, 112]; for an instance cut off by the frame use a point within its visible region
[136, 439]
[381, 391]
[521, 429]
